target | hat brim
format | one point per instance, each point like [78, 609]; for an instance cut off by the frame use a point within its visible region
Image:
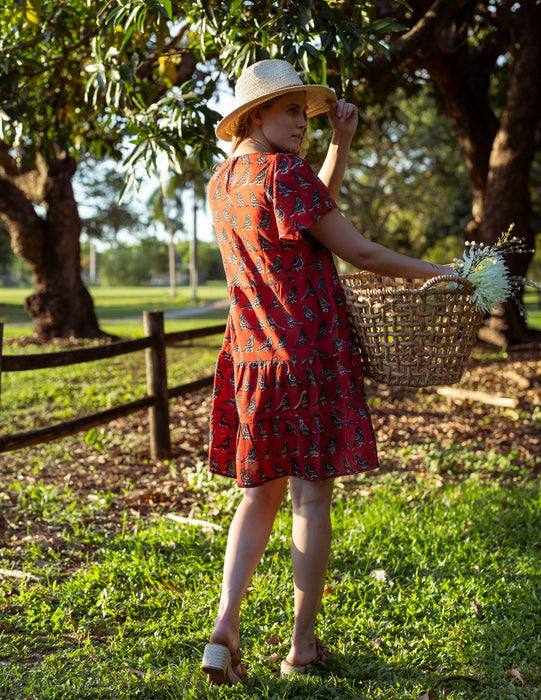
[316, 103]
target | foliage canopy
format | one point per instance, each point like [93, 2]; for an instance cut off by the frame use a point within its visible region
[78, 78]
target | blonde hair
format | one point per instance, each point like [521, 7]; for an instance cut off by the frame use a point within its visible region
[241, 128]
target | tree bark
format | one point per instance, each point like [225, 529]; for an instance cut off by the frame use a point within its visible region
[60, 305]
[498, 151]
[507, 194]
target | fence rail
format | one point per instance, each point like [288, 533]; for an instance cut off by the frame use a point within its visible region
[154, 343]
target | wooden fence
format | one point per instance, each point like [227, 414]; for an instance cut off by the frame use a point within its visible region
[158, 393]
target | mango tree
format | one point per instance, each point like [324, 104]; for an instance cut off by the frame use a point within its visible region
[77, 80]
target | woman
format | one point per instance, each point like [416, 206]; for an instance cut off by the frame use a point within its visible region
[289, 405]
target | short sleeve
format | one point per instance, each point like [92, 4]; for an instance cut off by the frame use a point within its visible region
[297, 195]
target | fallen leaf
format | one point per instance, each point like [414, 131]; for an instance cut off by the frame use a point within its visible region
[142, 674]
[429, 695]
[478, 609]
[171, 586]
[274, 640]
[15, 573]
[381, 575]
[517, 674]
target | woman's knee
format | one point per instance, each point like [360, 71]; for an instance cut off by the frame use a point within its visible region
[310, 494]
[267, 495]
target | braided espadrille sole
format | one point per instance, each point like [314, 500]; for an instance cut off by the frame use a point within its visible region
[217, 665]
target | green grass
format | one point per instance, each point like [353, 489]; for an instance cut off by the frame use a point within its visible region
[68, 392]
[115, 605]
[116, 302]
[131, 622]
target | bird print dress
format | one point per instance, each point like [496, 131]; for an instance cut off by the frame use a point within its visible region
[288, 392]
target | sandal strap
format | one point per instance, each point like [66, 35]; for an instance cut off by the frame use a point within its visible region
[321, 652]
[236, 658]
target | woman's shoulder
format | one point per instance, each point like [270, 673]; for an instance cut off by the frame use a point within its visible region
[291, 160]
[267, 165]
[284, 164]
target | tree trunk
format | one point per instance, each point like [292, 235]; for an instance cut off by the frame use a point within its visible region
[60, 305]
[499, 152]
[507, 194]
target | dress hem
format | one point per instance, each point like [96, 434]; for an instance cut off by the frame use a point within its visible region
[287, 476]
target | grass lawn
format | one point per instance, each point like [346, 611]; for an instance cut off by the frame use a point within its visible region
[113, 303]
[128, 303]
[434, 585]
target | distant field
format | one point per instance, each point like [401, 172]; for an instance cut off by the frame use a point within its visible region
[119, 305]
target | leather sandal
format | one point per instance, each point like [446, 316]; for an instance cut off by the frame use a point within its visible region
[219, 664]
[288, 669]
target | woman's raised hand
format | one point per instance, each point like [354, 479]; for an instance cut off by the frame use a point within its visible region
[344, 117]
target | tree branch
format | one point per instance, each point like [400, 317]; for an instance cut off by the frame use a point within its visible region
[30, 182]
[23, 224]
[430, 23]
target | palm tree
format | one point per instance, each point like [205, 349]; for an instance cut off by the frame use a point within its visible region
[166, 206]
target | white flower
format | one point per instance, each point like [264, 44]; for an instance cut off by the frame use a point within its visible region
[485, 267]
[491, 281]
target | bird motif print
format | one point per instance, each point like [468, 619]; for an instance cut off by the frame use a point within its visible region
[299, 207]
[243, 323]
[288, 396]
[309, 315]
[292, 296]
[301, 181]
[316, 200]
[292, 322]
[302, 339]
[297, 264]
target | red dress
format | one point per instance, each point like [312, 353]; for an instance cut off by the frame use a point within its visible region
[288, 391]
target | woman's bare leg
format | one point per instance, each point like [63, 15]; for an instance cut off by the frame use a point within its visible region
[248, 537]
[310, 547]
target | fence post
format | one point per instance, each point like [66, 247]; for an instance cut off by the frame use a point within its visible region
[1, 351]
[156, 367]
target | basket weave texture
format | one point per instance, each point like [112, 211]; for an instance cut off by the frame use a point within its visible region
[412, 332]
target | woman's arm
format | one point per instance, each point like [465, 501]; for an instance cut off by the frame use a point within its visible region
[336, 233]
[344, 117]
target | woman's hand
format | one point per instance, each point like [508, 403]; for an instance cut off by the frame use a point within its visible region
[344, 117]
[445, 270]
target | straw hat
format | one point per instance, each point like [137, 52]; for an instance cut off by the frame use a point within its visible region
[265, 80]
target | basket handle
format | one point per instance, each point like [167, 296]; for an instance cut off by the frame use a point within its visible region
[434, 281]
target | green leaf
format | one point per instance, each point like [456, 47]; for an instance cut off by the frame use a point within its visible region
[235, 5]
[33, 11]
[168, 8]
[162, 8]
[384, 25]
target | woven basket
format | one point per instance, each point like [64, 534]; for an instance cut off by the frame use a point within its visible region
[412, 332]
